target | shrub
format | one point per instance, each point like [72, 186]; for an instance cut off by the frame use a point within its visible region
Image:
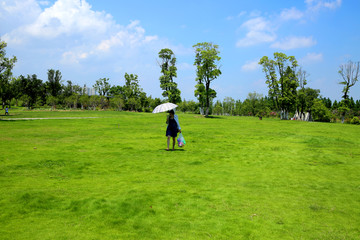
[272, 114]
[320, 112]
[355, 120]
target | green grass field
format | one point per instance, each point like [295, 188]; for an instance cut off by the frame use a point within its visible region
[110, 177]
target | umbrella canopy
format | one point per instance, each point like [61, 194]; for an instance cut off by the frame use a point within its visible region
[164, 107]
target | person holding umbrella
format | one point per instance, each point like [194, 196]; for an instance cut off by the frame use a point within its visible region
[172, 121]
[173, 127]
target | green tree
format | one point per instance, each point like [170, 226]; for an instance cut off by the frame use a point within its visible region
[68, 89]
[132, 92]
[282, 80]
[254, 104]
[320, 112]
[182, 106]
[310, 96]
[351, 103]
[206, 59]
[301, 95]
[144, 102]
[16, 89]
[335, 105]
[238, 108]
[117, 91]
[228, 106]
[117, 102]
[103, 101]
[84, 101]
[54, 83]
[94, 101]
[192, 106]
[327, 102]
[77, 89]
[168, 70]
[350, 74]
[6, 66]
[52, 101]
[357, 107]
[71, 101]
[33, 88]
[218, 108]
[155, 102]
[102, 86]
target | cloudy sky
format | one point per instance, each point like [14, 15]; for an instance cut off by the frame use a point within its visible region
[91, 39]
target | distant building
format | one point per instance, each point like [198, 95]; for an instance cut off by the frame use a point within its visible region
[90, 91]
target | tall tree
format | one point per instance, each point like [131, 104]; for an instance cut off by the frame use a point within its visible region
[282, 80]
[6, 66]
[32, 88]
[132, 91]
[350, 75]
[54, 83]
[168, 70]
[68, 89]
[301, 100]
[117, 91]
[310, 96]
[207, 70]
[102, 86]
[16, 89]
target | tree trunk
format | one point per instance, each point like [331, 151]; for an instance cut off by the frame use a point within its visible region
[284, 115]
[207, 98]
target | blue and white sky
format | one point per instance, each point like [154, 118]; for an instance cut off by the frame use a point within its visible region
[91, 39]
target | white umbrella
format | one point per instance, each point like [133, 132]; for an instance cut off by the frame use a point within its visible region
[164, 107]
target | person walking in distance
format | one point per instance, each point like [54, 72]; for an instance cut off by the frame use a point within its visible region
[173, 127]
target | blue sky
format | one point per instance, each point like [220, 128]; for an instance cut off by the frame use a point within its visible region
[91, 39]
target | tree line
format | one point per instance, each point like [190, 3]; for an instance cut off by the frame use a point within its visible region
[287, 97]
[30, 91]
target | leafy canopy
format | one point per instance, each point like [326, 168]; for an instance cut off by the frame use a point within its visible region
[207, 70]
[168, 70]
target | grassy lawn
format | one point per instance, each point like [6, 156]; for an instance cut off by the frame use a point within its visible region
[237, 178]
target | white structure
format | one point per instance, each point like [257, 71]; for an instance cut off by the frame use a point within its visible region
[90, 91]
[303, 117]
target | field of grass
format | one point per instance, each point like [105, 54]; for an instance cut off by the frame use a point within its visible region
[109, 177]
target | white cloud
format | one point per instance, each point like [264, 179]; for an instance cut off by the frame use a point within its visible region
[250, 66]
[316, 5]
[83, 43]
[242, 13]
[18, 6]
[71, 57]
[294, 42]
[69, 17]
[186, 66]
[80, 31]
[126, 42]
[291, 14]
[311, 58]
[131, 36]
[65, 18]
[258, 31]
[15, 13]
[44, 3]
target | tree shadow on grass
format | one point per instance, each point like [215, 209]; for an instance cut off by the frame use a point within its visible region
[214, 117]
[210, 117]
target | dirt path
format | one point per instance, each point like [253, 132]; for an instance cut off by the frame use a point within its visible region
[15, 119]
